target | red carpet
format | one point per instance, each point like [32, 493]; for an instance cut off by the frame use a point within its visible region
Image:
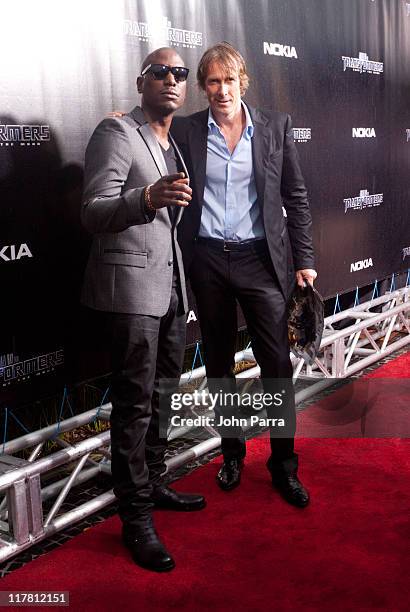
[374, 406]
[249, 550]
[397, 368]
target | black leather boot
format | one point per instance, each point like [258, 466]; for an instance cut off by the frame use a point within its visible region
[146, 548]
[229, 476]
[291, 489]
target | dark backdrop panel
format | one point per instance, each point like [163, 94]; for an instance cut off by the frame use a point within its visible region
[65, 65]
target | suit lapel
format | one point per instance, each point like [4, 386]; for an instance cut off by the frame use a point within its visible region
[260, 151]
[153, 147]
[148, 137]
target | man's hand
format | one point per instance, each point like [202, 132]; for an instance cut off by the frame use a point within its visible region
[115, 114]
[171, 190]
[305, 276]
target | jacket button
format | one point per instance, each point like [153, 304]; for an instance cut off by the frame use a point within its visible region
[170, 262]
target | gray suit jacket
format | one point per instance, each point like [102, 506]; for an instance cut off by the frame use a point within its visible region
[131, 259]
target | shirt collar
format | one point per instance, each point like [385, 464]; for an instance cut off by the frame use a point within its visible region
[248, 131]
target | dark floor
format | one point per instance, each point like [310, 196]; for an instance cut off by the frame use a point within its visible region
[101, 484]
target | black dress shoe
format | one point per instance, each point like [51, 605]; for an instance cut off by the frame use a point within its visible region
[229, 476]
[291, 489]
[147, 549]
[168, 499]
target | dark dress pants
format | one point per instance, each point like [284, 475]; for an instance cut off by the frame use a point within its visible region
[144, 350]
[218, 279]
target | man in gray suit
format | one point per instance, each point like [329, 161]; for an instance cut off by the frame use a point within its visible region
[136, 186]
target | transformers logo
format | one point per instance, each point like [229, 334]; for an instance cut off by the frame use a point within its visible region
[162, 30]
[302, 134]
[362, 64]
[13, 369]
[24, 135]
[364, 200]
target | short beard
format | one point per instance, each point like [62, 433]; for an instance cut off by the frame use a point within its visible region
[165, 110]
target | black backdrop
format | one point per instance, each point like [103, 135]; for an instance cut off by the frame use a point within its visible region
[341, 69]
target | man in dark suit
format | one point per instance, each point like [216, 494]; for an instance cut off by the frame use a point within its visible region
[238, 246]
[136, 187]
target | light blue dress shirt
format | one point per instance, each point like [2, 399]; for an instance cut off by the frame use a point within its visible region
[230, 210]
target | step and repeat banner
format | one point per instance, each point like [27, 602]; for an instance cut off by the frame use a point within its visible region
[341, 69]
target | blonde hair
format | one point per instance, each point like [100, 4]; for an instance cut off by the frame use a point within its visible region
[230, 61]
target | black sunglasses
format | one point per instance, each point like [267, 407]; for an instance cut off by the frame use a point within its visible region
[160, 71]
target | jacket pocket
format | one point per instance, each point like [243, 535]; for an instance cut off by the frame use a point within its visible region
[123, 257]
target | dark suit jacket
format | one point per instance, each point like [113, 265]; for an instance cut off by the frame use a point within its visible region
[279, 182]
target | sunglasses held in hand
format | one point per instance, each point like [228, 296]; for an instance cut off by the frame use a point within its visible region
[160, 71]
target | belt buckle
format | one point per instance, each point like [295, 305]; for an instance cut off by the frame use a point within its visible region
[226, 250]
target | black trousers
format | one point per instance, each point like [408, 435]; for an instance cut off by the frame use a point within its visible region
[144, 350]
[218, 280]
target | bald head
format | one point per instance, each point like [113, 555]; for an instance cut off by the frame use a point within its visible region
[162, 56]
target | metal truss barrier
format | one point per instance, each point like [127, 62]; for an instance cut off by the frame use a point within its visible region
[378, 328]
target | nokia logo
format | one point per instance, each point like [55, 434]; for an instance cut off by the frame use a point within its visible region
[359, 265]
[12, 252]
[362, 64]
[279, 50]
[363, 132]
